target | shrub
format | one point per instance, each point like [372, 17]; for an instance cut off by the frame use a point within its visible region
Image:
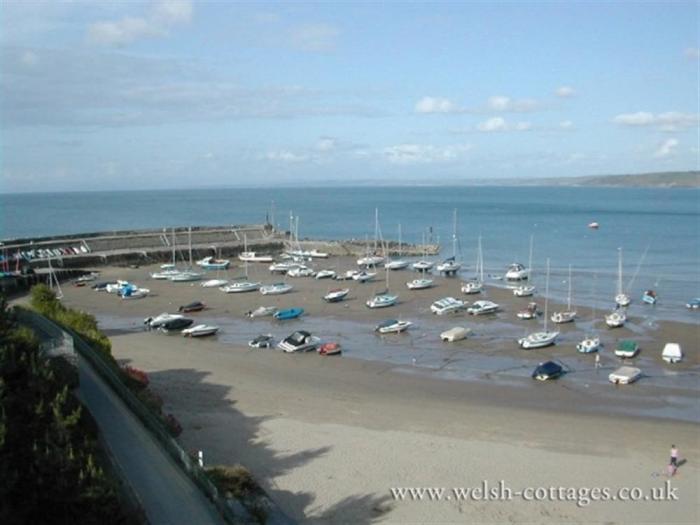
[137, 378]
[173, 425]
[151, 400]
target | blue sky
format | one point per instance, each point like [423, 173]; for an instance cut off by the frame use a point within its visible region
[127, 95]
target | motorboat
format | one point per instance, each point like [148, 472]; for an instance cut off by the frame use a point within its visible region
[240, 287]
[336, 295]
[472, 287]
[447, 305]
[363, 276]
[531, 312]
[547, 371]
[370, 260]
[594, 225]
[195, 306]
[616, 319]
[626, 348]
[649, 297]
[200, 330]
[300, 271]
[693, 304]
[330, 348]
[261, 341]
[214, 283]
[625, 375]
[175, 324]
[517, 272]
[262, 311]
[288, 313]
[315, 254]
[158, 320]
[525, 290]
[117, 286]
[672, 353]
[255, 257]
[423, 265]
[325, 274]
[276, 289]
[419, 284]
[589, 345]
[483, 307]
[300, 341]
[88, 277]
[133, 292]
[392, 326]
[538, 340]
[185, 276]
[382, 301]
[455, 334]
[283, 267]
[346, 276]
[211, 263]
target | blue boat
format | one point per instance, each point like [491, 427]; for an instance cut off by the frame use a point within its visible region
[289, 313]
[649, 297]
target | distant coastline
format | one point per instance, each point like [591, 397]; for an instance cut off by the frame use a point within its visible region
[666, 179]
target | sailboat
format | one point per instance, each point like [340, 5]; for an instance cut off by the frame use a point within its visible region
[621, 299]
[53, 282]
[189, 274]
[526, 290]
[450, 266]
[372, 259]
[568, 315]
[397, 264]
[167, 270]
[591, 343]
[384, 299]
[545, 337]
[424, 265]
[476, 285]
[242, 286]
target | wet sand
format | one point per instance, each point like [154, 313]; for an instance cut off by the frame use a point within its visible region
[329, 437]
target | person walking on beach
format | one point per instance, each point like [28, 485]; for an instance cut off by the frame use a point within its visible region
[674, 456]
[597, 361]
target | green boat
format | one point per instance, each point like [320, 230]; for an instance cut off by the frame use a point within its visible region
[627, 348]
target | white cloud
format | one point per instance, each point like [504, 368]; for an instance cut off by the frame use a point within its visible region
[326, 144]
[164, 15]
[29, 58]
[500, 124]
[314, 37]
[501, 103]
[286, 156]
[566, 124]
[424, 153]
[565, 92]
[436, 105]
[668, 121]
[692, 53]
[666, 148]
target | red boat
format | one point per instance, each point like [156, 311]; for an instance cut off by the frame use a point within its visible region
[329, 349]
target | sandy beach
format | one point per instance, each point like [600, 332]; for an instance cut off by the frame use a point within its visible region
[330, 437]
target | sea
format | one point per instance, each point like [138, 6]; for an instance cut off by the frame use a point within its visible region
[657, 229]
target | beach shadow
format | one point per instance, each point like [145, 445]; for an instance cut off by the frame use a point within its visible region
[212, 423]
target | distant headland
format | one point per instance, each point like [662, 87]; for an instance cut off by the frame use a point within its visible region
[666, 179]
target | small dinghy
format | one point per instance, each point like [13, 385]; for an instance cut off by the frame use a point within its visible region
[327, 349]
[200, 330]
[287, 314]
[175, 324]
[336, 295]
[649, 297]
[392, 326]
[261, 341]
[262, 311]
[196, 306]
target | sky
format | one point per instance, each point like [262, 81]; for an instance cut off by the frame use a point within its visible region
[99, 95]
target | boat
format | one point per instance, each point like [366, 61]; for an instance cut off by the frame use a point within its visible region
[325, 274]
[545, 337]
[370, 260]
[616, 319]
[200, 330]
[336, 295]
[392, 326]
[165, 274]
[568, 315]
[621, 299]
[300, 341]
[288, 313]
[373, 258]
[419, 284]
[363, 276]
[672, 353]
[117, 286]
[423, 265]
[175, 324]
[300, 271]
[625, 375]
[397, 264]
[517, 272]
[476, 285]
[626, 348]
[283, 267]
[168, 269]
[102, 286]
[134, 293]
[276, 289]
[483, 307]
[693, 304]
[531, 312]
[315, 254]
[261, 311]
[346, 276]
[330, 348]
[447, 305]
[261, 341]
[451, 266]
[382, 301]
[158, 320]
[589, 345]
[594, 225]
[196, 306]
[524, 290]
[185, 277]
[649, 297]
[455, 334]
[547, 371]
[211, 263]
[247, 256]
[88, 277]
[214, 283]
[240, 287]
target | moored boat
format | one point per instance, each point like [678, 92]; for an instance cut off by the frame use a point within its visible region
[649, 297]
[255, 257]
[240, 287]
[382, 301]
[447, 305]
[330, 348]
[299, 341]
[261, 341]
[531, 312]
[392, 326]
[261, 311]
[419, 284]
[276, 289]
[455, 334]
[589, 345]
[626, 348]
[616, 319]
[200, 330]
[483, 307]
[336, 295]
[547, 371]
[288, 313]
[195, 306]
[672, 353]
[214, 283]
[211, 263]
[175, 324]
[625, 375]
[325, 274]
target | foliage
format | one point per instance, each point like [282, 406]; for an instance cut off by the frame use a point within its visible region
[173, 425]
[237, 482]
[137, 378]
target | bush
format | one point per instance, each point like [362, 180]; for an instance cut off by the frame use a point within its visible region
[135, 378]
[173, 425]
[151, 400]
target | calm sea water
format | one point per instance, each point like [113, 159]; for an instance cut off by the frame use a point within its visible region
[658, 229]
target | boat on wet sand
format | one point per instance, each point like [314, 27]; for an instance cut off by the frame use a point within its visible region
[568, 315]
[330, 348]
[483, 307]
[287, 314]
[455, 334]
[262, 311]
[545, 337]
[300, 341]
[240, 287]
[419, 284]
[276, 289]
[447, 305]
[200, 330]
[625, 375]
[337, 295]
[195, 306]
[392, 326]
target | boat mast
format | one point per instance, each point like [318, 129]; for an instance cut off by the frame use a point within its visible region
[454, 235]
[529, 264]
[480, 262]
[619, 271]
[546, 297]
[189, 241]
[245, 250]
[376, 229]
[399, 240]
[568, 299]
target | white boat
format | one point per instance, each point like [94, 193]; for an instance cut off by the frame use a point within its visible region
[370, 260]
[255, 257]
[317, 254]
[476, 285]
[276, 289]
[363, 276]
[483, 307]
[392, 326]
[545, 337]
[117, 287]
[382, 301]
[211, 263]
[451, 266]
[283, 267]
[568, 315]
[300, 341]
[517, 272]
[373, 258]
[325, 274]
[214, 283]
[419, 284]
[300, 271]
[397, 264]
[185, 276]
[240, 287]
[346, 276]
[200, 330]
[589, 345]
[167, 266]
[525, 290]
[625, 375]
[531, 312]
[262, 311]
[447, 305]
[672, 353]
[423, 265]
[621, 298]
[616, 319]
[165, 274]
[161, 319]
[472, 287]
[455, 334]
[335, 296]
[134, 293]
